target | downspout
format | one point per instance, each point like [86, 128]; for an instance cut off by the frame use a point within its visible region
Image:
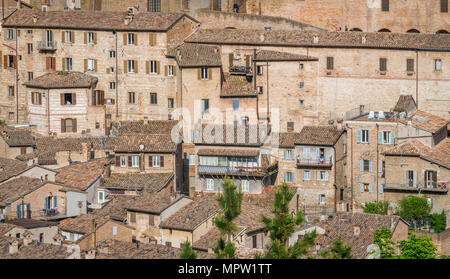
[48, 111]
[417, 78]
[351, 166]
[335, 184]
[3, 9]
[17, 77]
[267, 80]
[117, 81]
[377, 163]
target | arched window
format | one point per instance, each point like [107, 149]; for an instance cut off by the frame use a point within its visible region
[442, 31]
[355, 30]
[384, 30]
[413, 31]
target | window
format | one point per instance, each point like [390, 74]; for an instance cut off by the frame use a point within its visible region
[245, 186]
[130, 66]
[430, 179]
[111, 69]
[259, 70]
[410, 65]
[10, 34]
[302, 84]
[153, 98]
[190, 159]
[123, 161]
[386, 137]
[41, 237]
[444, 6]
[330, 63]
[11, 61]
[112, 85]
[437, 64]
[68, 99]
[68, 64]
[114, 230]
[155, 6]
[67, 36]
[101, 196]
[302, 102]
[135, 161]
[288, 154]
[385, 5]
[90, 65]
[131, 97]
[205, 106]
[259, 89]
[36, 98]
[156, 161]
[244, 120]
[322, 199]
[11, 91]
[411, 178]
[209, 184]
[362, 136]
[289, 177]
[90, 38]
[30, 48]
[68, 125]
[204, 73]
[290, 126]
[50, 63]
[98, 98]
[11, 116]
[170, 103]
[153, 67]
[133, 217]
[130, 38]
[365, 187]
[383, 64]
[112, 54]
[186, 4]
[170, 70]
[23, 150]
[306, 175]
[235, 104]
[301, 66]
[322, 176]
[366, 165]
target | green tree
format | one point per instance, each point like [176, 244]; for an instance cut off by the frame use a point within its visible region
[282, 226]
[438, 222]
[413, 208]
[187, 253]
[383, 238]
[338, 251]
[230, 202]
[376, 207]
[415, 247]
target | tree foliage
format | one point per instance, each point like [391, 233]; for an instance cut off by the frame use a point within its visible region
[383, 238]
[188, 253]
[224, 249]
[413, 208]
[376, 207]
[438, 222]
[415, 247]
[338, 251]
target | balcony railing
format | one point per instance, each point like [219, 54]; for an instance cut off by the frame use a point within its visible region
[240, 70]
[429, 187]
[49, 212]
[46, 45]
[227, 170]
[319, 162]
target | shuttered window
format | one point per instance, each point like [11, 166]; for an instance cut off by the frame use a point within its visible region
[383, 64]
[385, 5]
[98, 98]
[153, 98]
[410, 65]
[68, 125]
[330, 63]
[133, 217]
[444, 6]
[36, 98]
[131, 97]
[154, 6]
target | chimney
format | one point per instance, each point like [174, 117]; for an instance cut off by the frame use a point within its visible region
[35, 18]
[19, 6]
[90, 255]
[13, 246]
[316, 39]
[340, 123]
[93, 240]
[27, 238]
[84, 150]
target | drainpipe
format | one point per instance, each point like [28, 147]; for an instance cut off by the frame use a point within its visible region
[117, 81]
[93, 233]
[48, 111]
[417, 79]
[17, 76]
[267, 80]
[351, 165]
[377, 163]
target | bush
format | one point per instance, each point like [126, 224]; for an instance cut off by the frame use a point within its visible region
[438, 222]
[376, 207]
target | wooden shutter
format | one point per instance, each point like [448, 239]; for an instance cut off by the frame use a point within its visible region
[199, 73]
[5, 61]
[85, 65]
[161, 161]
[72, 37]
[53, 59]
[151, 220]
[63, 125]
[74, 125]
[117, 161]
[95, 65]
[147, 67]
[130, 161]
[152, 39]
[63, 37]
[125, 66]
[150, 161]
[166, 70]
[125, 39]
[63, 63]
[62, 98]
[247, 61]
[74, 99]
[231, 59]
[133, 217]
[410, 65]
[383, 64]
[95, 38]
[209, 73]
[174, 70]
[47, 63]
[40, 98]
[135, 39]
[85, 37]
[330, 63]
[136, 66]
[157, 67]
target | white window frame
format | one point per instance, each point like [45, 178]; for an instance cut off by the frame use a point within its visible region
[156, 161]
[68, 62]
[191, 158]
[322, 176]
[245, 185]
[170, 70]
[102, 200]
[123, 161]
[114, 230]
[112, 54]
[68, 36]
[90, 37]
[437, 64]
[364, 136]
[90, 65]
[153, 67]
[204, 73]
[130, 66]
[135, 161]
[289, 177]
[210, 184]
[112, 85]
[388, 135]
[130, 38]
[306, 178]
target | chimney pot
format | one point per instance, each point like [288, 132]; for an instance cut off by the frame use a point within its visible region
[13, 246]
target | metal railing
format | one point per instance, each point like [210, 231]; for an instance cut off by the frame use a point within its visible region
[240, 69]
[432, 186]
[315, 162]
[235, 170]
[46, 45]
[50, 212]
[363, 110]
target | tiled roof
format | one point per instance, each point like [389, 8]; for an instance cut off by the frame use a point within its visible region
[342, 226]
[57, 80]
[244, 152]
[238, 135]
[237, 86]
[194, 55]
[440, 154]
[192, 215]
[82, 175]
[270, 55]
[208, 240]
[425, 121]
[161, 127]
[299, 38]
[116, 249]
[287, 140]
[10, 168]
[16, 136]
[147, 182]
[153, 202]
[31, 223]
[318, 135]
[32, 251]
[5, 227]
[145, 143]
[14, 189]
[403, 102]
[92, 20]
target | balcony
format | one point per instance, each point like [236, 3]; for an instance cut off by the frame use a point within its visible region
[240, 70]
[46, 46]
[231, 171]
[316, 163]
[420, 188]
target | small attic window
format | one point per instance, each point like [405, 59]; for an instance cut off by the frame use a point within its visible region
[356, 231]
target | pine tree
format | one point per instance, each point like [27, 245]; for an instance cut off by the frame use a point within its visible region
[187, 253]
[230, 202]
[339, 250]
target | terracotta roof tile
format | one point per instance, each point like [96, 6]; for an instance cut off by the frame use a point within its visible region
[318, 135]
[238, 135]
[237, 86]
[156, 127]
[10, 168]
[31, 223]
[82, 175]
[14, 189]
[147, 182]
[145, 143]
[56, 80]
[32, 251]
[425, 121]
[195, 55]
[245, 152]
[16, 136]
[403, 102]
[270, 55]
[287, 140]
[153, 202]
